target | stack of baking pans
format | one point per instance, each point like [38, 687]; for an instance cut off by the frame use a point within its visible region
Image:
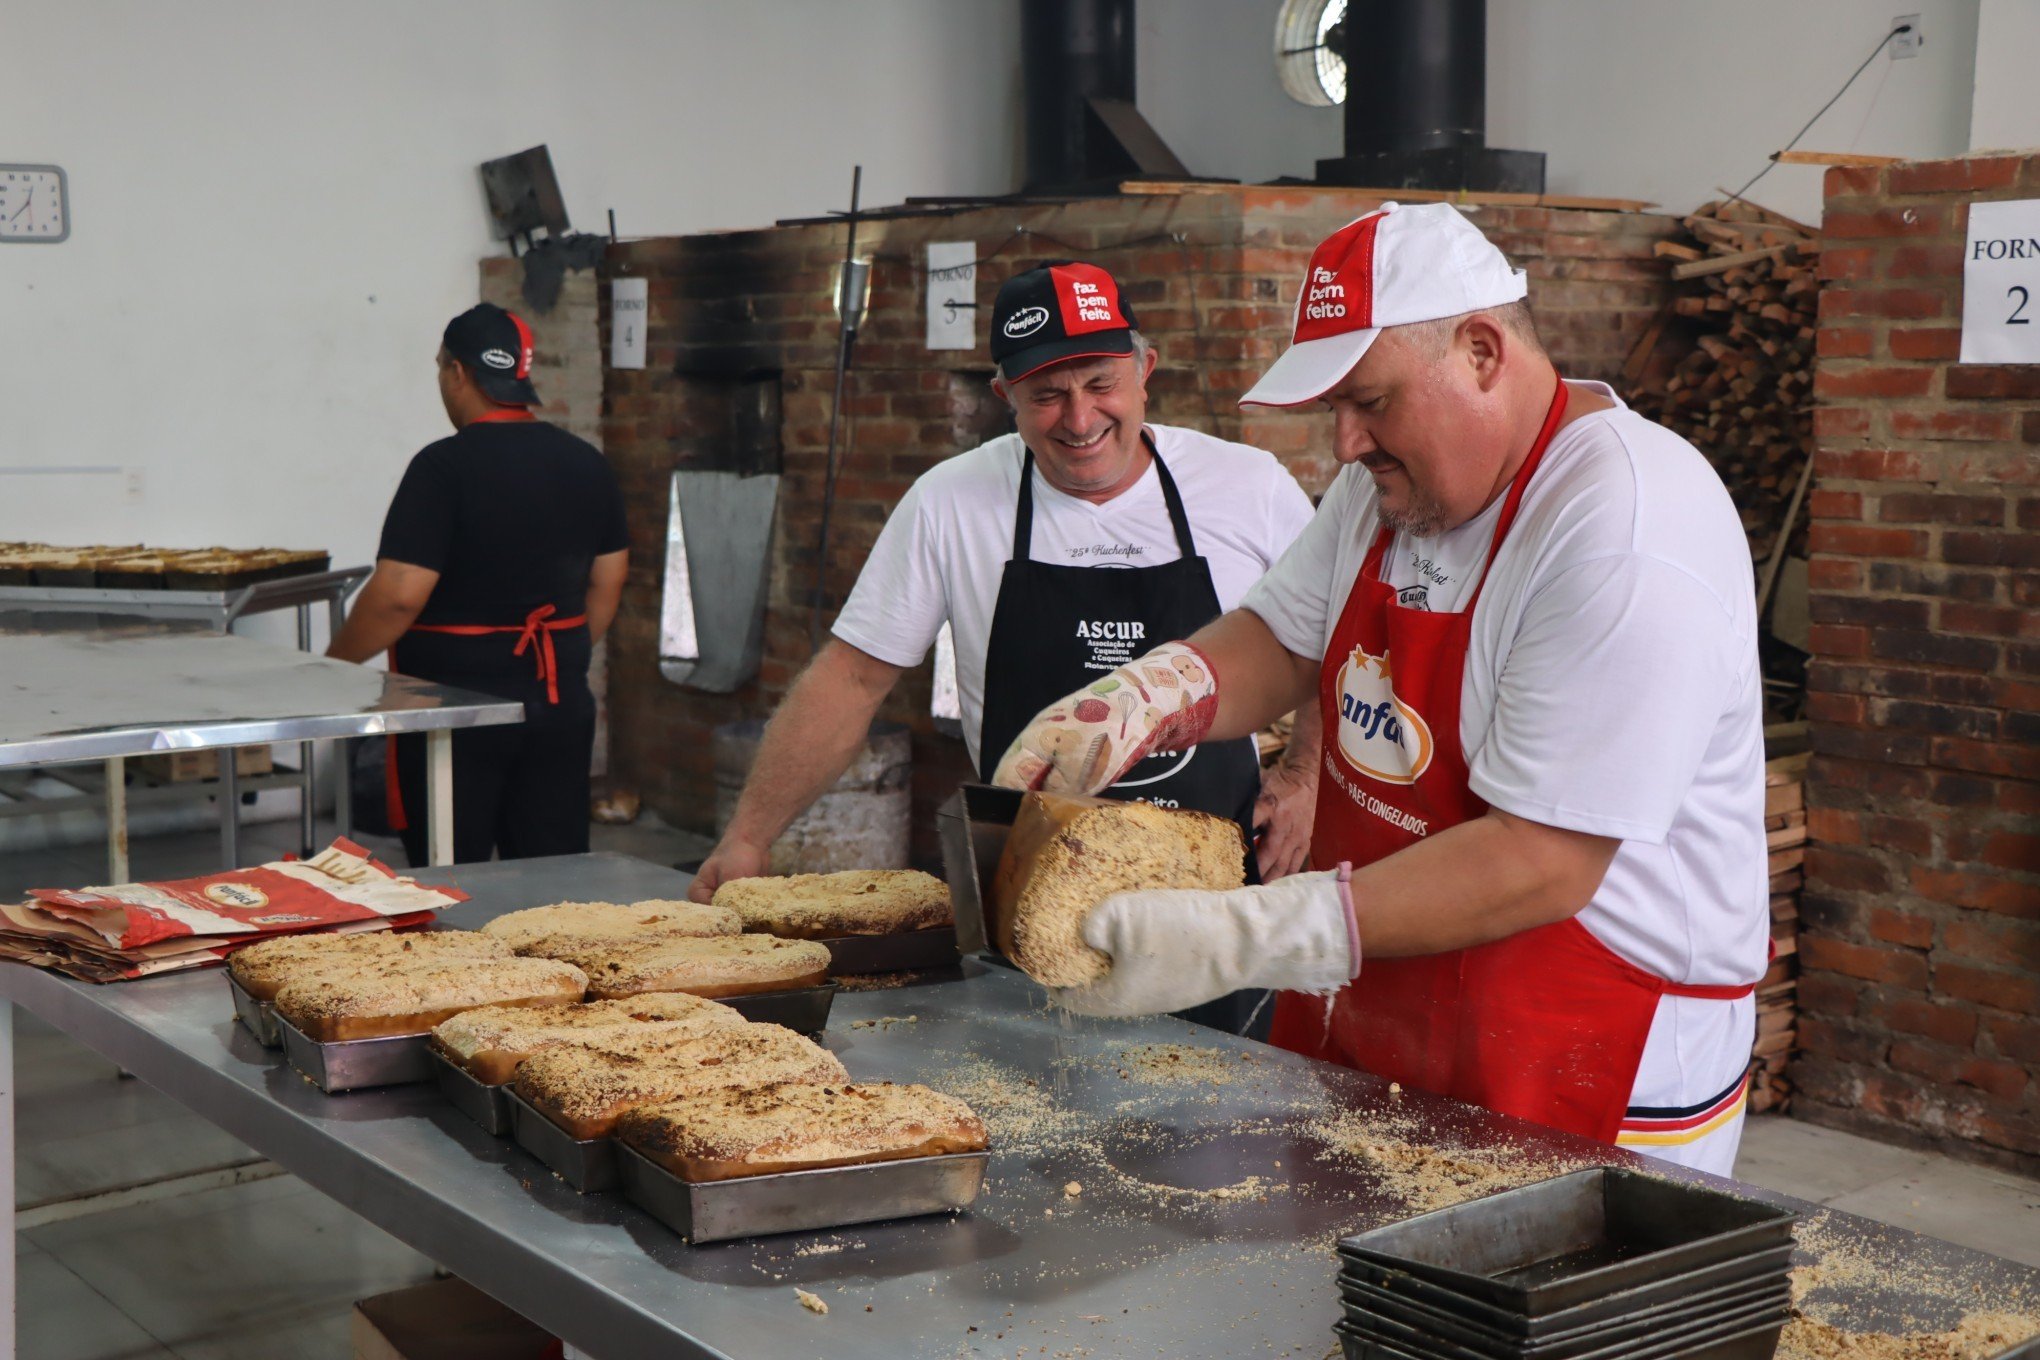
[1604, 1264]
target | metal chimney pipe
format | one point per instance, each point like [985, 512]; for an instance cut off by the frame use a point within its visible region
[1416, 75]
[1070, 52]
[1416, 102]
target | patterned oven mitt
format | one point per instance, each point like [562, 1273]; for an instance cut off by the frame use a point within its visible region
[1087, 741]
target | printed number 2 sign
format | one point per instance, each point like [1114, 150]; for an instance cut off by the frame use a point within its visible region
[2001, 284]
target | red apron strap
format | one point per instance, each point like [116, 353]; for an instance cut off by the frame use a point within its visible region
[538, 627]
[393, 792]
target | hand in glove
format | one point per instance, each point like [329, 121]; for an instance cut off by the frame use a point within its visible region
[1083, 742]
[1179, 947]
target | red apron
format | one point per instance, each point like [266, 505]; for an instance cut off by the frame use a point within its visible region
[1549, 1024]
[534, 634]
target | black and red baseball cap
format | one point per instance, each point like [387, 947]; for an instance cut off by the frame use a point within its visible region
[494, 346]
[1060, 311]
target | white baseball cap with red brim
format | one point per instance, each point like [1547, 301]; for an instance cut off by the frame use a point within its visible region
[1393, 267]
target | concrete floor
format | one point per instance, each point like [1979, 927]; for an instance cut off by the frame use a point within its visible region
[188, 1266]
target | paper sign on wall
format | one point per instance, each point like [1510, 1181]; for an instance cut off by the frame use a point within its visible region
[629, 309]
[2001, 284]
[952, 295]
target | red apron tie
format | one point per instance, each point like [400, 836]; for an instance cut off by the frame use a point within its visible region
[538, 627]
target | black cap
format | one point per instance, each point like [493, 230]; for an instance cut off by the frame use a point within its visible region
[1064, 310]
[494, 346]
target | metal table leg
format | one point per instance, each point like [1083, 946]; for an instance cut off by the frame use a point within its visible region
[343, 749]
[439, 796]
[7, 1180]
[230, 808]
[116, 820]
[307, 768]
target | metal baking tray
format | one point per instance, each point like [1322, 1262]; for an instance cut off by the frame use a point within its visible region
[1364, 1301]
[798, 1201]
[972, 826]
[255, 1016]
[351, 1064]
[907, 951]
[488, 1106]
[1742, 1272]
[587, 1164]
[1661, 1339]
[804, 1009]
[1541, 1248]
[1756, 1341]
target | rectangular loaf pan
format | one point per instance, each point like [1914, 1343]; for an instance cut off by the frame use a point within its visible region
[801, 1201]
[351, 1064]
[909, 951]
[255, 1016]
[804, 1009]
[587, 1164]
[488, 1106]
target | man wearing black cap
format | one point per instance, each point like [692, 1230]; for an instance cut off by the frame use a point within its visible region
[501, 563]
[1056, 554]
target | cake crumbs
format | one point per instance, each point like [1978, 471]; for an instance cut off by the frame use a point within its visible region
[814, 1303]
[876, 982]
[1168, 1064]
[1073, 1189]
[885, 1022]
[1430, 1176]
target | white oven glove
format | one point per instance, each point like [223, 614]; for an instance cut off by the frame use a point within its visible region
[1179, 947]
[1084, 741]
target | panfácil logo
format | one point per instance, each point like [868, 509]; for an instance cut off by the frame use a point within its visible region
[1026, 321]
[1380, 736]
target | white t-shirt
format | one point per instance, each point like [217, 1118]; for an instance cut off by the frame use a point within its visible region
[944, 549]
[1611, 687]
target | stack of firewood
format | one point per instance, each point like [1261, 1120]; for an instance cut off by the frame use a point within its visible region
[1729, 362]
[1777, 994]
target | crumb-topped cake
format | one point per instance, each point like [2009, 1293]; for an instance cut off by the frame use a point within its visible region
[854, 902]
[796, 1126]
[585, 1089]
[490, 1042]
[411, 1000]
[549, 931]
[1067, 854]
[726, 965]
[264, 967]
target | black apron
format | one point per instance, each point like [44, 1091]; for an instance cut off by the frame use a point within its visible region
[1056, 629]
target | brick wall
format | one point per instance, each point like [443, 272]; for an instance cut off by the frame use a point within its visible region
[1213, 277]
[1921, 920]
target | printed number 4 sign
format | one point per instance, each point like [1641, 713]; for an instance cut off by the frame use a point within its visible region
[2001, 284]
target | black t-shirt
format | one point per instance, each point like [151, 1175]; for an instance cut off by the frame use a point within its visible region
[510, 514]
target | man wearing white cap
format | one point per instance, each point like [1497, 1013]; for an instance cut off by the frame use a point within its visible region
[1528, 617]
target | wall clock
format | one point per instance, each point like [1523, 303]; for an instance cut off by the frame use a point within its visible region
[35, 204]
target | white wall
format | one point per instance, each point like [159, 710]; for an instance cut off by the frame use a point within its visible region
[2006, 112]
[1207, 83]
[1661, 101]
[276, 208]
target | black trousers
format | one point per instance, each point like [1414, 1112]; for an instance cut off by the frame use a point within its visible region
[518, 791]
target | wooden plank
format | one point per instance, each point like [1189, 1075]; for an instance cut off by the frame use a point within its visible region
[1786, 769]
[1832, 158]
[1770, 215]
[1173, 188]
[1673, 250]
[1790, 858]
[1783, 798]
[1721, 264]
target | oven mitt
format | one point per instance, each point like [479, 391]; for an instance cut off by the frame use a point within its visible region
[1176, 948]
[1083, 742]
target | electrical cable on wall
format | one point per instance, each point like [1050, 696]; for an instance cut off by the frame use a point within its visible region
[1884, 42]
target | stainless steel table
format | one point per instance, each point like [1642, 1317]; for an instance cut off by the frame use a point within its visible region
[97, 687]
[221, 610]
[1146, 1260]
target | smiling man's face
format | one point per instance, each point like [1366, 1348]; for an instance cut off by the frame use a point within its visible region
[1083, 420]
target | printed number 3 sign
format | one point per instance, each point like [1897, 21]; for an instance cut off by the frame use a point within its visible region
[2001, 284]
